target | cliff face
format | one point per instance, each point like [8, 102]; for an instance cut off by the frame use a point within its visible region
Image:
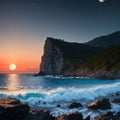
[60, 57]
[52, 60]
[76, 59]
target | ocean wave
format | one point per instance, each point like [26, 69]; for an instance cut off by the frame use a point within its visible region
[64, 94]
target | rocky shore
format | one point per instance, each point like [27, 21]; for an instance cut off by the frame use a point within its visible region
[97, 74]
[13, 109]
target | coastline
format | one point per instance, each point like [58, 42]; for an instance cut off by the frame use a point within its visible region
[68, 103]
[101, 107]
[111, 75]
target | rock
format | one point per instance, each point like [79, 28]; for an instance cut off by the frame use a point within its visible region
[44, 103]
[117, 94]
[104, 116]
[58, 105]
[39, 115]
[75, 105]
[102, 104]
[13, 109]
[116, 100]
[71, 116]
[108, 116]
[87, 118]
[41, 73]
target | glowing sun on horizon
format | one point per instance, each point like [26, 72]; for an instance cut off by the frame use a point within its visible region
[12, 67]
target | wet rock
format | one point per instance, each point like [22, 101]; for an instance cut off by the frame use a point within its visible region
[58, 105]
[13, 109]
[74, 105]
[102, 104]
[104, 116]
[87, 118]
[108, 116]
[117, 94]
[116, 100]
[71, 116]
[44, 103]
[41, 73]
[39, 115]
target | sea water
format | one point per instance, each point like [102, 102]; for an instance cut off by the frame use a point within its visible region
[46, 92]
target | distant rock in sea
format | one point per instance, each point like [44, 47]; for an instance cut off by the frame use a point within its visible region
[74, 105]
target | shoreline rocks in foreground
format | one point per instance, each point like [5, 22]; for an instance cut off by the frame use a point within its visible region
[108, 116]
[102, 104]
[71, 116]
[13, 109]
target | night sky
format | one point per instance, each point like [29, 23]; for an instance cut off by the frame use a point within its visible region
[25, 24]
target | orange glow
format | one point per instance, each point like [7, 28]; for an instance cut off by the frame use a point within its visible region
[23, 66]
[25, 52]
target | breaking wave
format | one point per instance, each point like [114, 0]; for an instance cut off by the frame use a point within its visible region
[65, 94]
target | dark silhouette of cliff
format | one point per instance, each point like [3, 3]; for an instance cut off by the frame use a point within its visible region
[81, 59]
[59, 56]
[105, 41]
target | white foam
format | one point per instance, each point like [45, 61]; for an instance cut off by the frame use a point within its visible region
[63, 96]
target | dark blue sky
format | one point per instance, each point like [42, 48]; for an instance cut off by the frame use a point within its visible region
[25, 24]
[72, 20]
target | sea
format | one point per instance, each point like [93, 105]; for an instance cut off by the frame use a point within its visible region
[46, 92]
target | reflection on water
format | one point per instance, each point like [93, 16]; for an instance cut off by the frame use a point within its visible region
[12, 83]
[24, 83]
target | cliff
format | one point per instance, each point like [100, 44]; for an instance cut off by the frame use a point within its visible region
[60, 56]
[82, 59]
[52, 60]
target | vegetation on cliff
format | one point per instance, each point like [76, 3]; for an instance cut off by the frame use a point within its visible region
[105, 41]
[108, 60]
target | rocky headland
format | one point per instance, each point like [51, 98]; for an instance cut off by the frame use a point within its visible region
[98, 58]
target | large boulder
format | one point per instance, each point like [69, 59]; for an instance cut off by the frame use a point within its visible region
[108, 116]
[102, 104]
[71, 116]
[39, 115]
[13, 109]
[74, 105]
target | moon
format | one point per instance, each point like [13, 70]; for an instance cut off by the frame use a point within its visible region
[12, 67]
[101, 0]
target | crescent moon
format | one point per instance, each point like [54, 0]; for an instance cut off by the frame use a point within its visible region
[101, 0]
